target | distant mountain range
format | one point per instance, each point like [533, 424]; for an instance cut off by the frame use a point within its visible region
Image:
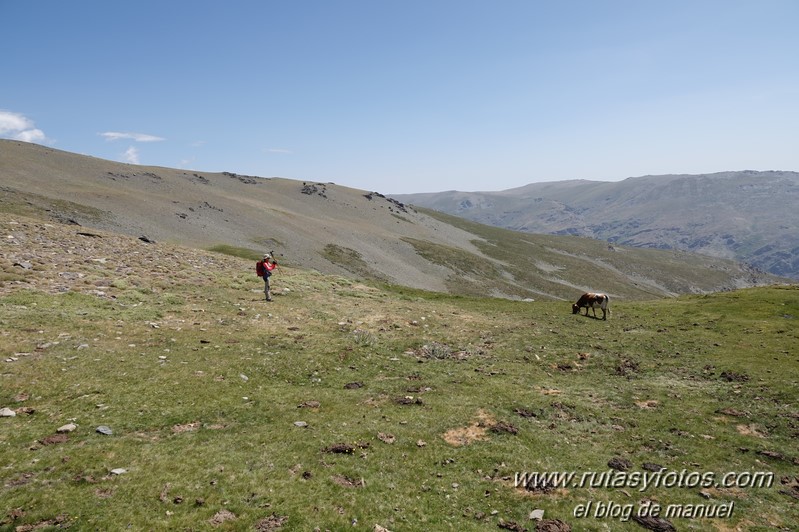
[748, 216]
[354, 233]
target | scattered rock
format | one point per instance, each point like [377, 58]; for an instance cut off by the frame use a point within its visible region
[626, 367]
[309, 404]
[301, 424]
[620, 464]
[353, 385]
[657, 524]
[503, 427]
[523, 412]
[119, 471]
[511, 525]
[386, 437]
[69, 427]
[7, 412]
[791, 486]
[408, 400]
[102, 429]
[539, 485]
[732, 376]
[536, 515]
[649, 466]
[340, 448]
[772, 454]
[553, 525]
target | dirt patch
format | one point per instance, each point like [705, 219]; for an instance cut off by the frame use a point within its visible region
[345, 448]
[188, 427]
[647, 405]
[549, 391]
[504, 427]
[54, 439]
[57, 521]
[273, 522]
[750, 430]
[221, 516]
[627, 367]
[475, 431]
[348, 482]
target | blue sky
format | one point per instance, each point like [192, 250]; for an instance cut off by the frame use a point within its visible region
[408, 96]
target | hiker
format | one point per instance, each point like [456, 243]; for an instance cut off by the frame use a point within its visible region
[264, 269]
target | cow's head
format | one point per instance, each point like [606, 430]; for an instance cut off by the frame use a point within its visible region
[575, 308]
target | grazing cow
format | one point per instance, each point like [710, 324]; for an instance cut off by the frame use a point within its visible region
[591, 300]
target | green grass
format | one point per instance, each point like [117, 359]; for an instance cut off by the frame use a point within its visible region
[234, 251]
[351, 260]
[30, 204]
[201, 382]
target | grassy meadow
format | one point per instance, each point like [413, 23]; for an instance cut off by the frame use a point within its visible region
[345, 405]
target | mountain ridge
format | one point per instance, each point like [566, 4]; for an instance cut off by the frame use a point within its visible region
[741, 215]
[339, 230]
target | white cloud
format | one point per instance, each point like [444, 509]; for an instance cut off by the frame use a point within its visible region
[19, 127]
[137, 137]
[132, 155]
[31, 135]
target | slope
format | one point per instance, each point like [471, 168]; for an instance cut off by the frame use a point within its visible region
[332, 229]
[344, 405]
[747, 216]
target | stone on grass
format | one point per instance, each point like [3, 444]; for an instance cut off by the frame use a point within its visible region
[102, 429]
[69, 427]
[7, 412]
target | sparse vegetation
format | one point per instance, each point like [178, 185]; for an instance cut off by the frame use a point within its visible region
[227, 412]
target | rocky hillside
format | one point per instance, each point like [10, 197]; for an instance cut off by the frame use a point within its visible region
[331, 229]
[747, 216]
